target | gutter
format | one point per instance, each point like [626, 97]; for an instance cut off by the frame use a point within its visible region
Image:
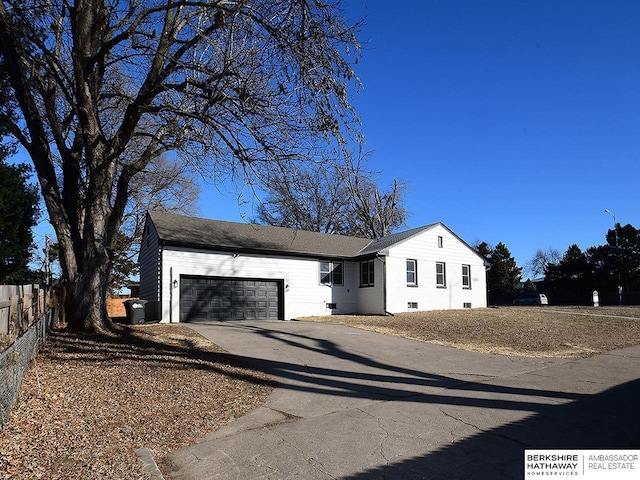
[239, 249]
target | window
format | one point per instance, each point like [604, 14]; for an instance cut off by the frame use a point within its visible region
[412, 272]
[412, 305]
[441, 279]
[439, 242]
[336, 273]
[325, 273]
[466, 276]
[367, 273]
[331, 273]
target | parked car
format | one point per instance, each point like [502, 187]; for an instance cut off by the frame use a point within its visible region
[531, 299]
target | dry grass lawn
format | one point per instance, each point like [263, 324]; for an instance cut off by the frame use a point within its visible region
[525, 331]
[88, 403]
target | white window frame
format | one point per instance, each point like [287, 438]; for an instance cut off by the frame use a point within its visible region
[441, 276]
[412, 272]
[466, 277]
[328, 273]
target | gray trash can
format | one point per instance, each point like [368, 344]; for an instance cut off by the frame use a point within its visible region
[135, 311]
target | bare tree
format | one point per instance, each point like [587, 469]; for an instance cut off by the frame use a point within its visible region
[103, 87]
[311, 199]
[165, 185]
[334, 198]
[376, 213]
[537, 266]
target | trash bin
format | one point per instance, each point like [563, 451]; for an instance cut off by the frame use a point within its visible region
[135, 311]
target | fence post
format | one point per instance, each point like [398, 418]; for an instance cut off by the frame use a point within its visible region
[15, 360]
[14, 314]
[27, 312]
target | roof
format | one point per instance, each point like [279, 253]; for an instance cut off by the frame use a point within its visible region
[179, 230]
[379, 244]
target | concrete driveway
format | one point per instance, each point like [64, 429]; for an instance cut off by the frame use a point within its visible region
[359, 405]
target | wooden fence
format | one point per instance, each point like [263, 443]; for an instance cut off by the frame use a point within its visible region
[20, 307]
[25, 319]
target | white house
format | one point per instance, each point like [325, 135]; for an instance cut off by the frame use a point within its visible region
[194, 269]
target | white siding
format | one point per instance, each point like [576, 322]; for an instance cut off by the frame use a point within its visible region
[424, 248]
[304, 295]
[371, 299]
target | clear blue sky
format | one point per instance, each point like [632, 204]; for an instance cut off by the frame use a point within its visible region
[512, 121]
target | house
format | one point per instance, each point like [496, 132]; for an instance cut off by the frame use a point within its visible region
[194, 269]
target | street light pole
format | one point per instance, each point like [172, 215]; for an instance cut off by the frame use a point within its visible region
[615, 229]
[615, 224]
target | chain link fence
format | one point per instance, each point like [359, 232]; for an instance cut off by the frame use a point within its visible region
[15, 360]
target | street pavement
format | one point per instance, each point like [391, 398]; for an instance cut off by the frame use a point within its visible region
[352, 404]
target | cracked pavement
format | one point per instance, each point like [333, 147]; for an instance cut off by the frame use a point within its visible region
[360, 405]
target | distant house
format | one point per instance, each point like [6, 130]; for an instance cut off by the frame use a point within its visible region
[194, 269]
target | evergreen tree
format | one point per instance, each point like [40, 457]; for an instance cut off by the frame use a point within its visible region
[569, 279]
[18, 215]
[618, 262]
[503, 274]
[529, 286]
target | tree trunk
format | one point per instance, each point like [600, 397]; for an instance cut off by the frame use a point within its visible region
[86, 307]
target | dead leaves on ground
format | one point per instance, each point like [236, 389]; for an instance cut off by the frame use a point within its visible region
[88, 402]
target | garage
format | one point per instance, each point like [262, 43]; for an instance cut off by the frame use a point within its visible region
[206, 299]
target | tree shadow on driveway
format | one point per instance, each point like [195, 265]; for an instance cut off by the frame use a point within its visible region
[554, 419]
[608, 420]
[368, 378]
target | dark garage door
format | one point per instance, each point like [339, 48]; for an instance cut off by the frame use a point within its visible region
[204, 299]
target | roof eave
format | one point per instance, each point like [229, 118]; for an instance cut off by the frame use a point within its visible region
[253, 251]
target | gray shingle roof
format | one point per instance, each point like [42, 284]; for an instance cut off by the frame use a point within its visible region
[383, 243]
[248, 237]
[199, 232]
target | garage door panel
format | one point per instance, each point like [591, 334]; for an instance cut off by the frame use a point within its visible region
[222, 299]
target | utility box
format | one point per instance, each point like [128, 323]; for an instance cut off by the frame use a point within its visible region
[135, 311]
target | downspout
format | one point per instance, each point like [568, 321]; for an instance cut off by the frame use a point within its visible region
[487, 267]
[170, 294]
[384, 285]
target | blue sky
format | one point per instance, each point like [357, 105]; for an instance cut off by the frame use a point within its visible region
[511, 121]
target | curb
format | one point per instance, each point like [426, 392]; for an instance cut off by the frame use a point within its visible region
[150, 464]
